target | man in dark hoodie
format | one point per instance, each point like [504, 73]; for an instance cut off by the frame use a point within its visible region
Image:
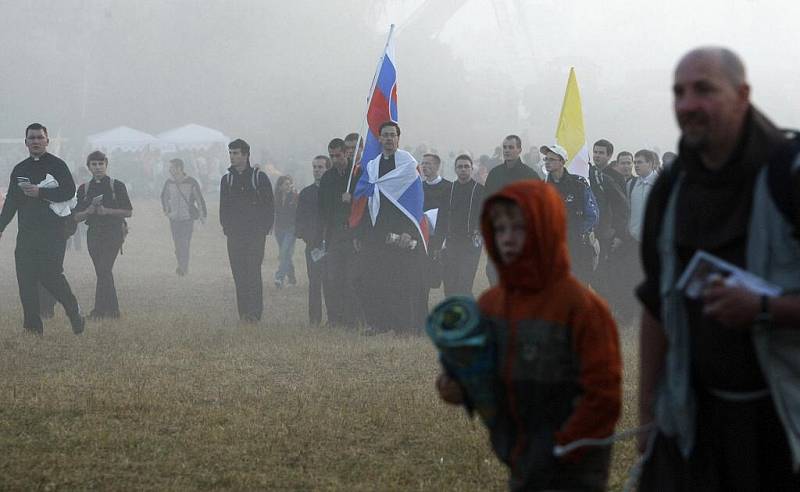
[247, 213]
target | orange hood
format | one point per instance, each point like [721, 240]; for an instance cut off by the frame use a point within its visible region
[545, 258]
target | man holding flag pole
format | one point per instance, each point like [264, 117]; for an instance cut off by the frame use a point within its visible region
[390, 228]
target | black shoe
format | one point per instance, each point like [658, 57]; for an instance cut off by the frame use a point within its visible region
[34, 331]
[292, 280]
[78, 323]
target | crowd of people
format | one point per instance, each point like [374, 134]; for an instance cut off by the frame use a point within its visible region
[718, 404]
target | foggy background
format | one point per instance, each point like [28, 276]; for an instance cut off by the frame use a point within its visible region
[289, 76]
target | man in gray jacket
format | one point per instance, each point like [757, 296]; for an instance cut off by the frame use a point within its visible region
[183, 203]
[719, 370]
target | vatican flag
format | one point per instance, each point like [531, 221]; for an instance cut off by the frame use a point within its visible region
[570, 133]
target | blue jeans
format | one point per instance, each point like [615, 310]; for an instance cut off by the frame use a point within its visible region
[285, 240]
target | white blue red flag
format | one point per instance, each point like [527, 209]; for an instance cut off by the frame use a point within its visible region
[403, 185]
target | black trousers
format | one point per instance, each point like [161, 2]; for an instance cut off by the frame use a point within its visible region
[616, 277]
[47, 303]
[246, 254]
[339, 281]
[315, 272]
[39, 259]
[460, 262]
[396, 283]
[738, 446]
[104, 244]
[581, 257]
[182, 237]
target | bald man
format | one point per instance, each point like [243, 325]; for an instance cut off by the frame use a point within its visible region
[720, 374]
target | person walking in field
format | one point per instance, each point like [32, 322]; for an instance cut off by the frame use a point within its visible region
[183, 203]
[104, 204]
[247, 214]
[285, 214]
[559, 370]
[37, 186]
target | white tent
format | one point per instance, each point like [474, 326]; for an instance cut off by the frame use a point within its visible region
[122, 138]
[193, 136]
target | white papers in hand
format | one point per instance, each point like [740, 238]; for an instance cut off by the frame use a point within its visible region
[704, 267]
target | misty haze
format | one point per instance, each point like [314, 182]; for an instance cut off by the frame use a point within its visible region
[185, 384]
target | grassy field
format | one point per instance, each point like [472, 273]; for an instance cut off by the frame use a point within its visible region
[176, 395]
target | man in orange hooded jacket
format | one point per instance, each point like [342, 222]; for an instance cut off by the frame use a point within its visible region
[558, 376]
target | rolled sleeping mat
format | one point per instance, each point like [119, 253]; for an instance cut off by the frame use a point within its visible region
[466, 351]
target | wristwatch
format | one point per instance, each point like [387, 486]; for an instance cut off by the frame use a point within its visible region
[764, 316]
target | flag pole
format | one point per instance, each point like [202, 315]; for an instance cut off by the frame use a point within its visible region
[364, 124]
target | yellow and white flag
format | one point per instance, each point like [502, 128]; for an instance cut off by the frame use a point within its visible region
[570, 133]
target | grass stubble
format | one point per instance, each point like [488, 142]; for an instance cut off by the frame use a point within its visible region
[176, 395]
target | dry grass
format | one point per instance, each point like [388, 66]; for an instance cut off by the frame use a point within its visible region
[177, 396]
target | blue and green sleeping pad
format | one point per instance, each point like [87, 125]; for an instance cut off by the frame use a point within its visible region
[466, 351]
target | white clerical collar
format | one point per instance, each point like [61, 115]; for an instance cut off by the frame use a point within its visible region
[434, 181]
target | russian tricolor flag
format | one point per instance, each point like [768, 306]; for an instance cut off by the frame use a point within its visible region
[404, 190]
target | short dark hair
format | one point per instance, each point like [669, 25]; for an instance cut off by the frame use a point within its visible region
[465, 157]
[389, 123]
[516, 139]
[94, 156]
[648, 155]
[435, 158]
[336, 143]
[240, 144]
[177, 163]
[325, 158]
[351, 137]
[624, 153]
[35, 126]
[668, 156]
[605, 144]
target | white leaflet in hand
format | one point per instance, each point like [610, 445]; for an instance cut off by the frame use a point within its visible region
[317, 254]
[704, 266]
[62, 209]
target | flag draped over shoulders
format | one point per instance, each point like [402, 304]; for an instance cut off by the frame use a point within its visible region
[402, 186]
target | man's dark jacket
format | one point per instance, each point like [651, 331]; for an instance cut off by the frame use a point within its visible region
[243, 209]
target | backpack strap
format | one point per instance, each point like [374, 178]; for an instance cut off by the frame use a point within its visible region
[255, 178]
[630, 186]
[85, 187]
[782, 175]
[114, 191]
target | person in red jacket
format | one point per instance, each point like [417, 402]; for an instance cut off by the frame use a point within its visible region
[558, 367]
